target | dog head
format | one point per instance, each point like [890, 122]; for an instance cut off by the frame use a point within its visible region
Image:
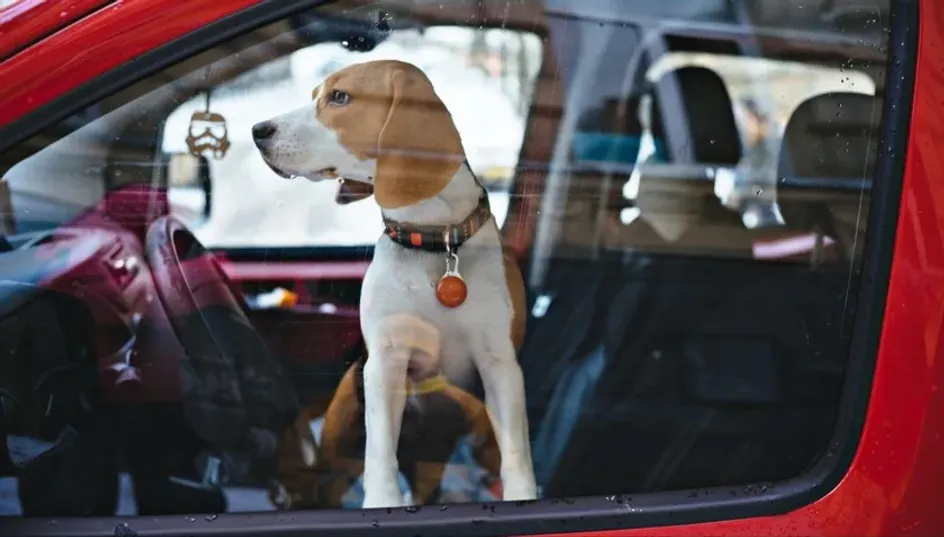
[379, 125]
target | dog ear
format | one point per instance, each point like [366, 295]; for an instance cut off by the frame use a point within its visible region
[351, 191]
[419, 149]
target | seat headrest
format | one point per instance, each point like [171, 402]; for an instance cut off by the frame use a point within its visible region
[832, 140]
[708, 111]
[7, 220]
[692, 114]
[829, 135]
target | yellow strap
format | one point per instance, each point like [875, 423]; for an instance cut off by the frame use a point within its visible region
[425, 386]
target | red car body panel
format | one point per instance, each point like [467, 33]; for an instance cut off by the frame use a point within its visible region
[27, 21]
[893, 485]
[97, 44]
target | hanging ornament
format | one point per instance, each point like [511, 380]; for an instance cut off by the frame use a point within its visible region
[214, 137]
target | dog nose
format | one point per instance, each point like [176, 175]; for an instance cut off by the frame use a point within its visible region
[263, 131]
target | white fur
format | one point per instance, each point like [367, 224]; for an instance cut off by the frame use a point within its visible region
[303, 146]
[476, 335]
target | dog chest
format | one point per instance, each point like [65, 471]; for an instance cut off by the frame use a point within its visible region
[401, 281]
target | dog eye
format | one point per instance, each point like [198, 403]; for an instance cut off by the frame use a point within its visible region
[339, 97]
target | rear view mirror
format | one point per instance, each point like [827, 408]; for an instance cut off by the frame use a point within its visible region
[183, 170]
[355, 33]
[189, 187]
[7, 223]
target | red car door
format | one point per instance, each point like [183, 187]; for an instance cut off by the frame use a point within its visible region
[875, 472]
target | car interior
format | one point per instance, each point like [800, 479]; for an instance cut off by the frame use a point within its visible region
[669, 345]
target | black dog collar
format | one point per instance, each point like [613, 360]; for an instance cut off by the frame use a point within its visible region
[433, 238]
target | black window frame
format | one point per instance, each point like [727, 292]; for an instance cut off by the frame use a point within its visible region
[548, 515]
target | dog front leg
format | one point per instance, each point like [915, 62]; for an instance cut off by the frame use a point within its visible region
[505, 398]
[384, 402]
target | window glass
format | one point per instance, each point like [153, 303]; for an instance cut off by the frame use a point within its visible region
[200, 298]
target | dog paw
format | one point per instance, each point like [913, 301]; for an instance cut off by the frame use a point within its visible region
[383, 496]
[519, 488]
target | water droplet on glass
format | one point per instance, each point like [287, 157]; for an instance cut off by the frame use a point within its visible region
[124, 530]
[211, 518]
[758, 191]
[620, 500]
[375, 523]
[412, 509]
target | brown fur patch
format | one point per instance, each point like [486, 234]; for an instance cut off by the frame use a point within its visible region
[297, 476]
[394, 116]
[342, 414]
[429, 437]
[516, 292]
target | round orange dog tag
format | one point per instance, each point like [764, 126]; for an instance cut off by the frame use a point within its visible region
[451, 290]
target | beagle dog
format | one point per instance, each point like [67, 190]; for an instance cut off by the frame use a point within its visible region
[381, 125]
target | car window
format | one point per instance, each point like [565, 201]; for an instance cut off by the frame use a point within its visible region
[647, 219]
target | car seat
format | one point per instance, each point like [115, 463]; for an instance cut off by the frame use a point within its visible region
[699, 383]
[581, 294]
[605, 146]
[824, 142]
[49, 402]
